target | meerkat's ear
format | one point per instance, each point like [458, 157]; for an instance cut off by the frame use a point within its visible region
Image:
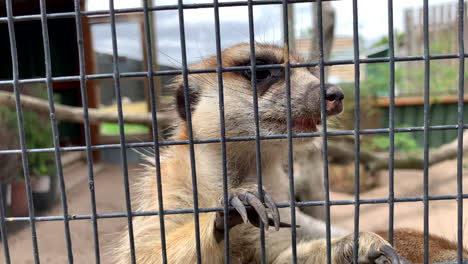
[194, 97]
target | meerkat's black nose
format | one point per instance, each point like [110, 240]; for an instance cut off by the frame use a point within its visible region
[333, 94]
[334, 100]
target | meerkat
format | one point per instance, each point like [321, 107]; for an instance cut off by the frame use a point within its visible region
[409, 244]
[242, 172]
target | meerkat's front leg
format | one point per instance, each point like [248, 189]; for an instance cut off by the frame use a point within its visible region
[373, 249]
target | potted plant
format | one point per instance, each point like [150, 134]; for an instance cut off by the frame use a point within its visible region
[10, 171]
[41, 166]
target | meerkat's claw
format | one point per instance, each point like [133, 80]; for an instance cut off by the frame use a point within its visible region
[393, 256]
[390, 254]
[259, 210]
[255, 211]
[281, 224]
[239, 206]
[273, 210]
[254, 201]
[385, 255]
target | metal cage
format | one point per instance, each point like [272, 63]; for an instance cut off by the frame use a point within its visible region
[116, 76]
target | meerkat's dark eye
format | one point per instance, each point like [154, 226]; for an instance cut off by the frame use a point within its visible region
[262, 74]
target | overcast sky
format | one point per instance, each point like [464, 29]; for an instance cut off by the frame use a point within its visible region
[199, 26]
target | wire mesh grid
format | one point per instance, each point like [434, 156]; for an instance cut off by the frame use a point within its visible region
[116, 76]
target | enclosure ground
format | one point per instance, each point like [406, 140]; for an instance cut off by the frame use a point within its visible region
[110, 198]
[409, 183]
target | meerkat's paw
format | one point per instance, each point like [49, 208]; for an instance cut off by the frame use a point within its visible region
[372, 250]
[266, 212]
[385, 255]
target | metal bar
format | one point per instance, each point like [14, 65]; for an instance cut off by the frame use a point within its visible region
[55, 132]
[357, 120]
[3, 230]
[219, 66]
[116, 77]
[391, 124]
[243, 138]
[427, 68]
[221, 209]
[461, 94]
[104, 76]
[258, 155]
[155, 8]
[324, 133]
[22, 136]
[287, 80]
[87, 130]
[188, 114]
[155, 127]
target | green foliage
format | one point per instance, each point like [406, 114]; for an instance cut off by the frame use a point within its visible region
[38, 134]
[113, 128]
[403, 142]
[377, 80]
[398, 37]
[409, 76]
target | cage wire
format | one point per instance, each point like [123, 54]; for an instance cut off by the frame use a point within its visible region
[116, 76]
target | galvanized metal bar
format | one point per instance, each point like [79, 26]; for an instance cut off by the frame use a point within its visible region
[219, 67]
[123, 149]
[154, 8]
[220, 209]
[155, 126]
[391, 124]
[323, 117]
[287, 81]
[427, 119]
[87, 130]
[357, 127]
[22, 136]
[188, 114]
[104, 76]
[243, 138]
[258, 154]
[55, 132]
[460, 108]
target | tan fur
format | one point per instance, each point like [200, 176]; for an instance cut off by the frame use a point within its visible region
[409, 244]
[242, 174]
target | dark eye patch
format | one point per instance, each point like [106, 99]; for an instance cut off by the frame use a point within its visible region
[194, 97]
[265, 77]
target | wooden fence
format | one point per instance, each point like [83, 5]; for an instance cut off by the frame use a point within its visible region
[443, 25]
[443, 39]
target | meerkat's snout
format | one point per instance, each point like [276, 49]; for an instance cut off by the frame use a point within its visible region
[334, 100]
[307, 115]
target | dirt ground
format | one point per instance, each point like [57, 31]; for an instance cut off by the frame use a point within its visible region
[409, 183]
[110, 199]
[51, 235]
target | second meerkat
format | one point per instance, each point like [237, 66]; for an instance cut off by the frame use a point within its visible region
[242, 172]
